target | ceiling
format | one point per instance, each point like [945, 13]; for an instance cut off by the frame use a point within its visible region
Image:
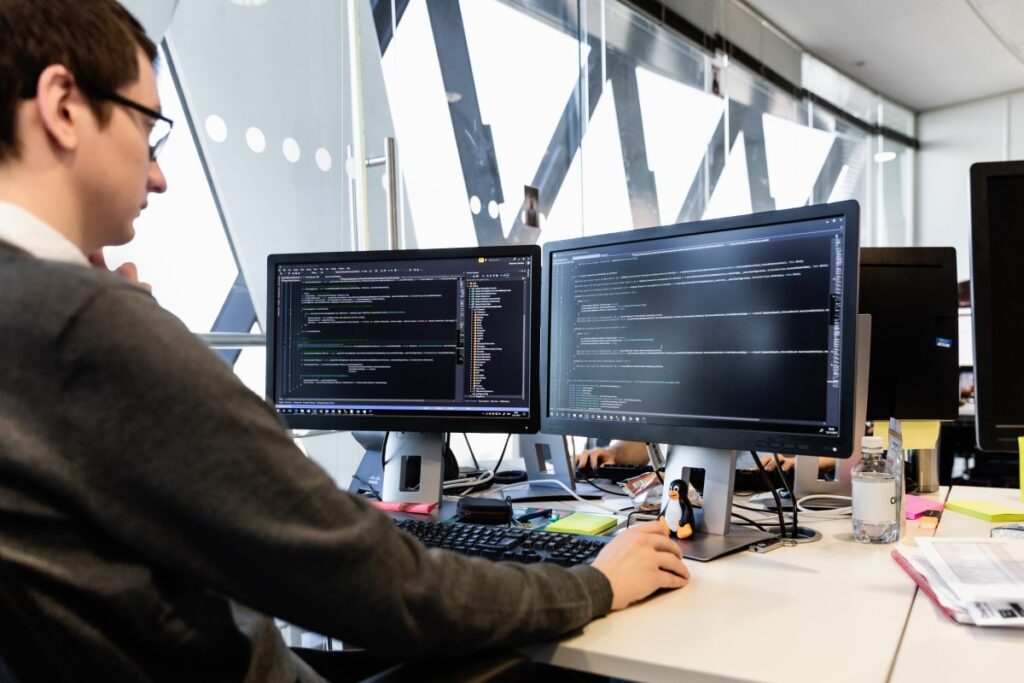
[924, 54]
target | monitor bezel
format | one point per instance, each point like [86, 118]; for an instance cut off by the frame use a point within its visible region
[460, 423]
[714, 437]
[989, 436]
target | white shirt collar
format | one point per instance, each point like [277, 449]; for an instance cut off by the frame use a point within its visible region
[28, 232]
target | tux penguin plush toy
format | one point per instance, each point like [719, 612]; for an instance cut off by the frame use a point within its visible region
[677, 515]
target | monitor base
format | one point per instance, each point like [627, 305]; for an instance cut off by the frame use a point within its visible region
[767, 500]
[704, 547]
[534, 492]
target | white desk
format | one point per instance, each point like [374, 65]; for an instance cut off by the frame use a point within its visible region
[796, 614]
[936, 649]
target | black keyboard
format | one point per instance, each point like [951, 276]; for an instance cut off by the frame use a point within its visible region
[505, 543]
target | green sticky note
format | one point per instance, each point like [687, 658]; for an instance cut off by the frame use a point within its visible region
[990, 512]
[584, 523]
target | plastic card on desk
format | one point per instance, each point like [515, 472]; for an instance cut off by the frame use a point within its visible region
[896, 463]
[917, 506]
[535, 517]
[584, 523]
[1020, 445]
[990, 512]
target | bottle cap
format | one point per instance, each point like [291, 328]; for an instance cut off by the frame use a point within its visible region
[872, 442]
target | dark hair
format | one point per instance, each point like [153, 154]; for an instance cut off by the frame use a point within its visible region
[95, 39]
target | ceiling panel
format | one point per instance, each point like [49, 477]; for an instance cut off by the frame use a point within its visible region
[923, 54]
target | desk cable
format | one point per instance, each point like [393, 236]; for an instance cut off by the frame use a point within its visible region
[470, 447]
[774, 492]
[469, 483]
[807, 513]
[796, 505]
[836, 513]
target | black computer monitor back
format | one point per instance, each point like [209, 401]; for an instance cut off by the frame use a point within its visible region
[911, 295]
[997, 244]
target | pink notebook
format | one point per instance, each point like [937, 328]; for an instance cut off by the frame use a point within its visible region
[917, 506]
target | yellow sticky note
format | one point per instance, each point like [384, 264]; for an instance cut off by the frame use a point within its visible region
[582, 523]
[920, 434]
[1020, 444]
[990, 512]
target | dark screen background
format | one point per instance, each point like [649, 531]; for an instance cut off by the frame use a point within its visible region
[740, 330]
[1006, 306]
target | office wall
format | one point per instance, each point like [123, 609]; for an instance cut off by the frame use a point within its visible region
[953, 138]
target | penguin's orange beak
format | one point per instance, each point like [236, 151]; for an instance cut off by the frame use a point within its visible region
[674, 495]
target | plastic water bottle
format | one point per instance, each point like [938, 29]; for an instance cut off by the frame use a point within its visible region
[875, 498]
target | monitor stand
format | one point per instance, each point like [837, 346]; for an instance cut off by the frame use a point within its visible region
[369, 476]
[807, 480]
[413, 468]
[548, 461]
[715, 534]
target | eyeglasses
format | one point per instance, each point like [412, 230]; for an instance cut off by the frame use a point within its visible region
[161, 124]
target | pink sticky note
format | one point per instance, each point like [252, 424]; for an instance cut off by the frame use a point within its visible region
[417, 508]
[917, 506]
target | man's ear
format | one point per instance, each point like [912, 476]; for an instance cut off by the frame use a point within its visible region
[59, 106]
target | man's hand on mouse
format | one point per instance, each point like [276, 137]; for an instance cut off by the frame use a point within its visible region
[639, 561]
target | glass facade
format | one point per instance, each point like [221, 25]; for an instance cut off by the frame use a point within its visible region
[615, 120]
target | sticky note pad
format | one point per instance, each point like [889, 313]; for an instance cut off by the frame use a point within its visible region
[920, 434]
[990, 512]
[917, 506]
[582, 523]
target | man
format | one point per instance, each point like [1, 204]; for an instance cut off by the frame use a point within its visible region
[152, 509]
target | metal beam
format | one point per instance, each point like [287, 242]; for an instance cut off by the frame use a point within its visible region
[472, 136]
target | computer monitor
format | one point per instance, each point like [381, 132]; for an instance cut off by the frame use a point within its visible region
[418, 342]
[736, 333]
[911, 295]
[997, 243]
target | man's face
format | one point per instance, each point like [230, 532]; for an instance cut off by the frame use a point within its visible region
[116, 171]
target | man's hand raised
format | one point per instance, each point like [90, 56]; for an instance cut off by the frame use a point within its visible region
[127, 270]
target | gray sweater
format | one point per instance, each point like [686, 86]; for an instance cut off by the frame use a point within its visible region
[146, 495]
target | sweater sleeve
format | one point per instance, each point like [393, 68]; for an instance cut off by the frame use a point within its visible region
[176, 459]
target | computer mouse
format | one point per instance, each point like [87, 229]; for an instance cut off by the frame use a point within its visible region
[1008, 531]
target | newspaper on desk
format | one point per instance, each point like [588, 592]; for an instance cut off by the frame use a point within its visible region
[982, 577]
